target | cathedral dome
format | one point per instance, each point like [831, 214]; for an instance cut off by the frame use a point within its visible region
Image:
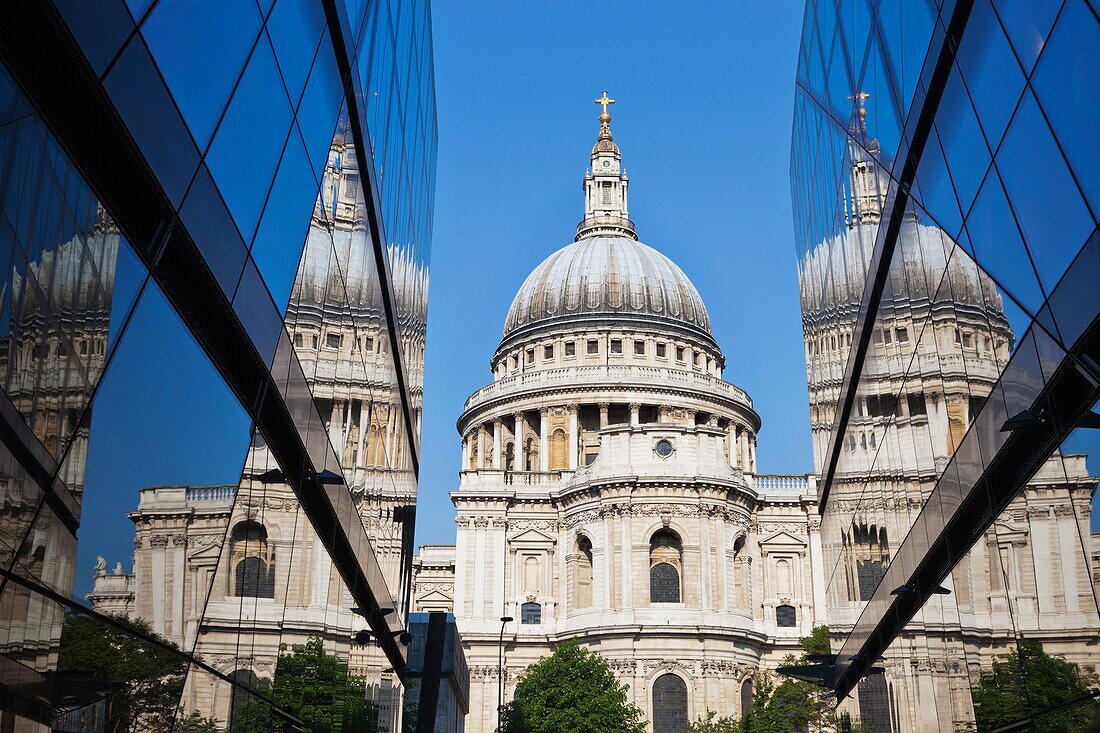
[603, 278]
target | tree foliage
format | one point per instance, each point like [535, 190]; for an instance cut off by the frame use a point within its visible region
[149, 677]
[1027, 681]
[571, 691]
[315, 685]
[711, 723]
[780, 704]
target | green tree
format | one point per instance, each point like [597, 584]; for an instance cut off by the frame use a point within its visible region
[711, 723]
[571, 691]
[195, 723]
[1027, 681]
[316, 686]
[781, 705]
[149, 677]
[817, 642]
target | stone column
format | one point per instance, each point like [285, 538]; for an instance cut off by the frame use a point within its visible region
[664, 414]
[1066, 523]
[335, 424]
[498, 443]
[465, 452]
[731, 443]
[625, 550]
[346, 406]
[364, 424]
[609, 555]
[604, 407]
[521, 444]
[743, 449]
[706, 581]
[574, 438]
[480, 557]
[462, 557]
[752, 455]
[817, 563]
[480, 446]
[544, 439]
[322, 567]
[500, 542]
[745, 601]
[635, 414]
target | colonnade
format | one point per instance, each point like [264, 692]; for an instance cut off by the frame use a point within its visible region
[485, 443]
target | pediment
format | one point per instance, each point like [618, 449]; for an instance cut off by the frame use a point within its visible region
[206, 554]
[782, 539]
[434, 598]
[532, 537]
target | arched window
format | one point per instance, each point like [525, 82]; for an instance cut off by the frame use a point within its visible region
[252, 561]
[244, 682]
[582, 577]
[870, 553]
[785, 616]
[559, 450]
[783, 577]
[473, 456]
[746, 697]
[874, 702]
[665, 554]
[530, 613]
[531, 456]
[531, 575]
[510, 457]
[670, 704]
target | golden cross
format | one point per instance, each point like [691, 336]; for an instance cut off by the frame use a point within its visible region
[604, 100]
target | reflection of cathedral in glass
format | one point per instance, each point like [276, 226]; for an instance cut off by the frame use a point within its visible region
[940, 341]
[56, 293]
[192, 579]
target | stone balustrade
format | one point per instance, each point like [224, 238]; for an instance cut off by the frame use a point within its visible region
[782, 483]
[620, 375]
[195, 494]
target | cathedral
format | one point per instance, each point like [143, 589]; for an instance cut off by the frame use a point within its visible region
[609, 490]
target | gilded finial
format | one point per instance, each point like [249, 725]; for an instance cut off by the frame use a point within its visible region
[605, 118]
[859, 98]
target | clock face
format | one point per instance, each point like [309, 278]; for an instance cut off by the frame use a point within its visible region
[607, 164]
[663, 448]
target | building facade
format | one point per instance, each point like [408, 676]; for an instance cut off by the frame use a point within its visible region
[609, 490]
[216, 236]
[947, 245]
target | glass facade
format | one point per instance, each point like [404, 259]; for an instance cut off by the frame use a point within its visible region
[946, 208]
[215, 228]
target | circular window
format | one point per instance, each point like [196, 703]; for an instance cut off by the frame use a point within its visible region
[663, 448]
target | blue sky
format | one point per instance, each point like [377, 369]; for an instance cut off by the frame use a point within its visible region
[703, 117]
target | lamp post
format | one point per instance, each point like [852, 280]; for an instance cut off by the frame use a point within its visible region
[500, 673]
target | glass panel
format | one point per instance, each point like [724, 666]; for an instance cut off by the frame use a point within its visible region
[69, 670]
[1052, 216]
[99, 28]
[200, 47]
[996, 244]
[990, 71]
[250, 139]
[1062, 79]
[295, 28]
[1027, 24]
[143, 102]
[277, 248]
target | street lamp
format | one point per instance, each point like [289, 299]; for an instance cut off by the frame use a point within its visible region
[500, 673]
